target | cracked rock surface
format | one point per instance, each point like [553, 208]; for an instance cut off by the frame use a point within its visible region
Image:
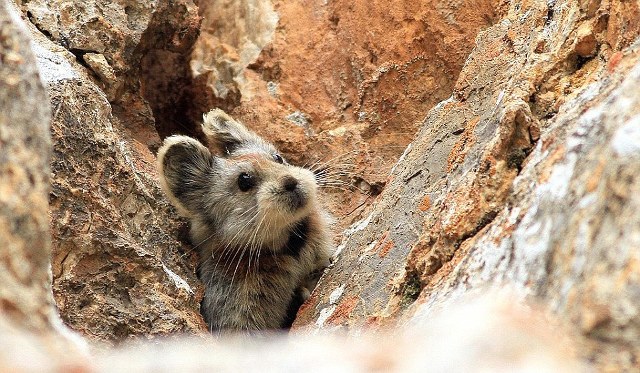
[524, 179]
[120, 266]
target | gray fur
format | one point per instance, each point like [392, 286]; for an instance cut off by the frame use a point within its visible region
[259, 249]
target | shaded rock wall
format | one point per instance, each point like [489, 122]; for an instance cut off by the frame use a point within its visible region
[119, 267]
[26, 303]
[136, 51]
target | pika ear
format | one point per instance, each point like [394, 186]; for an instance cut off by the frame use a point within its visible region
[226, 133]
[185, 167]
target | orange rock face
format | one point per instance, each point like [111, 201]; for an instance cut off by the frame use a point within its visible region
[348, 83]
[519, 167]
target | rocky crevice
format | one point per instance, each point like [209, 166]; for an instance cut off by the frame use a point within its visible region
[165, 80]
[521, 179]
[114, 235]
[522, 70]
[324, 92]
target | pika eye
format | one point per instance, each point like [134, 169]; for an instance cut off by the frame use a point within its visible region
[278, 158]
[246, 181]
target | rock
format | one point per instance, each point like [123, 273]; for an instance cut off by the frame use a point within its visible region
[362, 94]
[568, 236]
[26, 302]
[586, 43]
[145, 47]
[233, 35]
[535, 194]
[25, 151]
[119, 269]
[115, 30]
[462, 340]
[459, 341]
[98, 63]
[522, 176]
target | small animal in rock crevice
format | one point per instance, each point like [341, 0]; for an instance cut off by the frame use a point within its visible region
[261, 233]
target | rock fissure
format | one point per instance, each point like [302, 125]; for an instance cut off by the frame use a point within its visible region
[516, 128]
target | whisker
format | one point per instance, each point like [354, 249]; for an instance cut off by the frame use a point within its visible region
[321, 163]
[237, 235]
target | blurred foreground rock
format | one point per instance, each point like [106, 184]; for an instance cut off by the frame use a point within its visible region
[485, 334]
[25, 151]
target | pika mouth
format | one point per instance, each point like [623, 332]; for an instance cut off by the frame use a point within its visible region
[291, 193]
[295, 200]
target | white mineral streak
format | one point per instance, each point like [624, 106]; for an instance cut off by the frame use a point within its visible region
[177, 280]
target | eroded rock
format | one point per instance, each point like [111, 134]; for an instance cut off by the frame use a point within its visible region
[568, 237]
[362, 75]
[525, 177]
[27, 309]
[138, 52]
[516, 180]
[118, 268]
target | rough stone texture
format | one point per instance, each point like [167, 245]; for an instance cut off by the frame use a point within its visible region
[137, 52]
[524, 177]
[118, 268]
[25, 245]
[26, 302]
[324, 89]
[232, 37]
[569, 235]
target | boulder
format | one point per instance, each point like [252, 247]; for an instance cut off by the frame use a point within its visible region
[524, 178]
[120, 262]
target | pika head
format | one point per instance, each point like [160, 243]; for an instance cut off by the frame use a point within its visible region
[252, 215]
[243, 194]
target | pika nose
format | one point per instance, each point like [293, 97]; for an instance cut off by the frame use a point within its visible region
[289, 183]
